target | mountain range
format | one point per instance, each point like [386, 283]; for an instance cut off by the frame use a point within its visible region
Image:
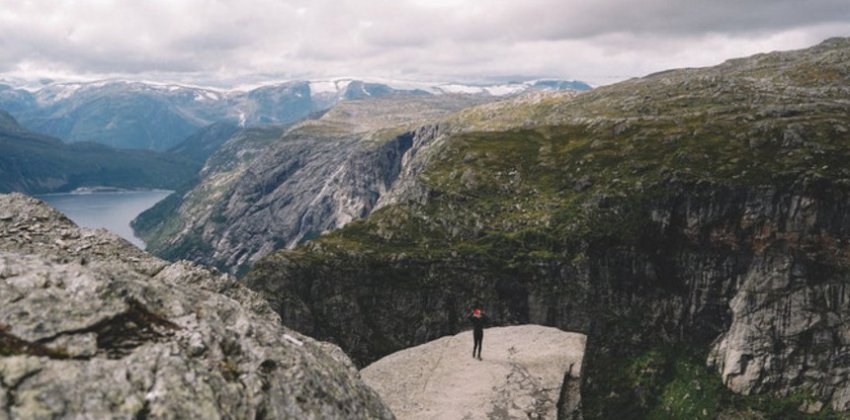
[157, 116]
[694, 224]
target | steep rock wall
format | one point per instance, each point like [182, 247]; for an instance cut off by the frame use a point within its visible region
[302, 188]
[759, 270]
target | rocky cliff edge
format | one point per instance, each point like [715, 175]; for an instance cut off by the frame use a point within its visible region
[526, 371]
[92, 327]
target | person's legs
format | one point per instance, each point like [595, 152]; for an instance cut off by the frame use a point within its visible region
[480, 344]
[479, 337]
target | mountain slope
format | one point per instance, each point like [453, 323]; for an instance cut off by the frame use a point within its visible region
[129, 115]
[687, 219]
[15, 100]
[319, 176]
[172, 228]
[34, 164]
[202, 144]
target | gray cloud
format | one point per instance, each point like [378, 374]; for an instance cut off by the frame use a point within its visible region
[598, 41]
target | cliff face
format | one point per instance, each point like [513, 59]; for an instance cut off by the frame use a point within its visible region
[788, 326]
[702, 208]
[301, 188]
[91, 327]
[318, 176]
[762, 268]
[172, 228]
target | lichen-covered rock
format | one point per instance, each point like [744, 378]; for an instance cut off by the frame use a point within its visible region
[92, 327]
[526, 371]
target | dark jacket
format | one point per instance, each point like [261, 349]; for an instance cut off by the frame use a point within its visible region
[478, 323]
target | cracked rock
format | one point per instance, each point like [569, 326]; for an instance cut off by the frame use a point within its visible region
[523, 374]
[128, 335]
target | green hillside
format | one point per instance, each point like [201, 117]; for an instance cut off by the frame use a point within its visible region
[34, 164]
[634, 213]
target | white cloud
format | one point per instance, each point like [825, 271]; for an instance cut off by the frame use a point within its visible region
[598, 41]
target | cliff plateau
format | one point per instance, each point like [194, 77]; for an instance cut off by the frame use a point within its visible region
[693, 223]
[526, 372]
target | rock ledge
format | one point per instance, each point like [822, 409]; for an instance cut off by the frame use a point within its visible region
[528, 371]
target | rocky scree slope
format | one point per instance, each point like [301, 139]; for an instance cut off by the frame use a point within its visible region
[693, 223]
[320, 175]
[92, 327]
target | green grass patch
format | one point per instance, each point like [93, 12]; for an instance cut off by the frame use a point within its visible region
[674, 383]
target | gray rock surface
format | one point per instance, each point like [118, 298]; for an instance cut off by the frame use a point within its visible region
[527, 372]
[321, 175]
[91, 327]
[787, 334]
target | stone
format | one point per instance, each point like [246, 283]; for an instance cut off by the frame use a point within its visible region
[131, 336]
[522, 375]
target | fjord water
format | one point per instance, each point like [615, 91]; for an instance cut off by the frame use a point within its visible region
[113, 210]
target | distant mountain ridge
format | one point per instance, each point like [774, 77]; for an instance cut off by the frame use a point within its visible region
[157, 116]
[199, 146]
[34, 163]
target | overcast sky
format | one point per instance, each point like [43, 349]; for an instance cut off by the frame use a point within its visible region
[231, 42]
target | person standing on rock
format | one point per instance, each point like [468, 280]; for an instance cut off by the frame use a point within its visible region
[478, 320]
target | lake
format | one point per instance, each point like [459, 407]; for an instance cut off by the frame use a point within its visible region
[112, 210]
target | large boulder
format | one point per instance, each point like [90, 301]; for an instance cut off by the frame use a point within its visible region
[526, 371]
[92, 327]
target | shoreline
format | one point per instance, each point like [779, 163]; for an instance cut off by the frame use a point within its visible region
[102, 190]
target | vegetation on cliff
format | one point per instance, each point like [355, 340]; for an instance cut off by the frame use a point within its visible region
[634, 213]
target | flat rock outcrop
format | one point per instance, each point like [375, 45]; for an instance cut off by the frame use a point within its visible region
[92, 327]
[527, 371]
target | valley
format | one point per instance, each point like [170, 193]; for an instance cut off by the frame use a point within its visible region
[111, 210]
[670, 246]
